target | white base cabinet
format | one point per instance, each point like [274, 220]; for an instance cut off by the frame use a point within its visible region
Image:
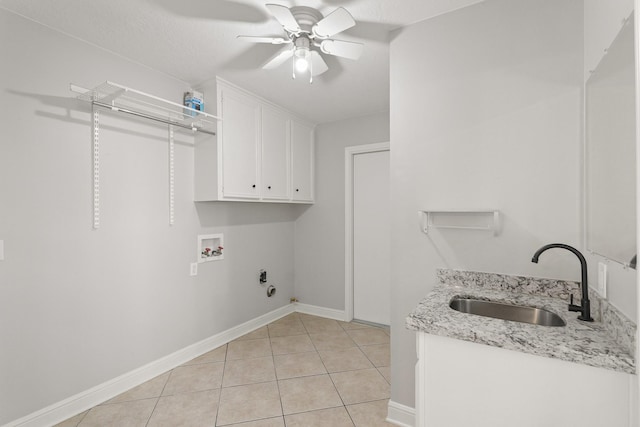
[262, 153]
[461, 384]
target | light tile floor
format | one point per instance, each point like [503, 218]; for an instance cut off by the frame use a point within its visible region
[300, 370]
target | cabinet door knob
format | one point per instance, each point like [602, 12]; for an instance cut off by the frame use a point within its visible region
[253, 186]
[297, 189]
[269, 187]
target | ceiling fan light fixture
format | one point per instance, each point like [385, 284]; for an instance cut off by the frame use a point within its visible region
[301, 58]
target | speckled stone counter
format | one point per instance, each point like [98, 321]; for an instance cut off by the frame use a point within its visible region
[608, 342]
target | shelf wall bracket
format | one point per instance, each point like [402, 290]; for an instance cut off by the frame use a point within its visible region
[96, 167]
[171, 178]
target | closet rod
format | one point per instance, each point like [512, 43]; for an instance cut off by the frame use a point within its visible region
[146, 116]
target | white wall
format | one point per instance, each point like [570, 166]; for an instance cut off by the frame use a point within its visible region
[319, 234]
[485, 114]
[602, 23]
[79, 307]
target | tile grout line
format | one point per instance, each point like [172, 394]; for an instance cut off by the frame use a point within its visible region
[275, 373]
[224, 368]
[284, 418]
[158, 398]
[83, 417]
[337, 391]
[152, 411]
[328, 374]
[345, 406]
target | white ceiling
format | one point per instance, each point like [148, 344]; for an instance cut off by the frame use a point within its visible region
[195, 40]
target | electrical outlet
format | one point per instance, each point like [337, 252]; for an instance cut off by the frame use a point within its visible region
[194, 269]
[602, 279]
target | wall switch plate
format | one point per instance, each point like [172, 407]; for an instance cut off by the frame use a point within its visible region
[602, 279]
[194, 269]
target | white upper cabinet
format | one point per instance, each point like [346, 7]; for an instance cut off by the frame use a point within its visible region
[239, 133]
[261, 153]
[302, 161]
[276, 149]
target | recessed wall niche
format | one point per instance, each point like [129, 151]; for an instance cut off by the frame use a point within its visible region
[210, 247]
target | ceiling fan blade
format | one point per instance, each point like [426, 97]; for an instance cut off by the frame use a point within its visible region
[335, 22]
[344, 49]
[284, 17]
[279, 59]
[318, 66]
[272, 40]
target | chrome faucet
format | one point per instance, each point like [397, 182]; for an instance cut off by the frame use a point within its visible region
[585, 305]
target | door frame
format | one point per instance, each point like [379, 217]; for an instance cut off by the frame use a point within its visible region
[349, 154]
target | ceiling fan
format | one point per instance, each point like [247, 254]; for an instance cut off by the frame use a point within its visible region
[309, 33]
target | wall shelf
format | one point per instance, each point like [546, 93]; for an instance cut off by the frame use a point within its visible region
[123, 99]
[482, 220]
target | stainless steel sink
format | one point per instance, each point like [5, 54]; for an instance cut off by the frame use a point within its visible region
[498, 310]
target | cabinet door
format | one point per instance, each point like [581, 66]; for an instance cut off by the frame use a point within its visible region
[275, 154]
[301, 162]
[240, 137]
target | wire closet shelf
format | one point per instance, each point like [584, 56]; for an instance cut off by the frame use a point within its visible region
[123, 99]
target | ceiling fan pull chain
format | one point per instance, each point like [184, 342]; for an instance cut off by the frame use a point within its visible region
[310, 70]
[293, 64]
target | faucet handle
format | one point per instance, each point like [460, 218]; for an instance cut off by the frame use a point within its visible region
[572, 306]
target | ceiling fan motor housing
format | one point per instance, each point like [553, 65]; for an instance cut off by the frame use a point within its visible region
[307, 17]
[302, 42]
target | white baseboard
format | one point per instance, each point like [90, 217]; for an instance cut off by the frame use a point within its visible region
[401, 415]
[79, 403]
[320, 311]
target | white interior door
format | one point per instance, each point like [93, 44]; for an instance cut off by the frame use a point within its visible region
[371, 238]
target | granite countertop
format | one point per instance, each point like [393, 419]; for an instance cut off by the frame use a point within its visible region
[608, 342]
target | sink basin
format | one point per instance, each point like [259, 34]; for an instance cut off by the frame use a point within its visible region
[498, 310]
